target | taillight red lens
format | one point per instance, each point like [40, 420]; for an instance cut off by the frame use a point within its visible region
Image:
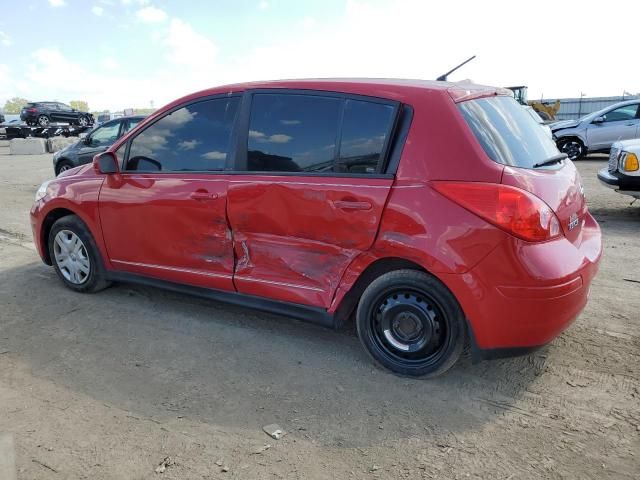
[511, 209]
[33, 109]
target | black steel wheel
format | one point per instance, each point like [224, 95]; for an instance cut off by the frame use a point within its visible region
[573, 147]
[411, 323]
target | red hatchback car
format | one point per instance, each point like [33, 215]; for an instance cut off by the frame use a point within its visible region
[435, 213]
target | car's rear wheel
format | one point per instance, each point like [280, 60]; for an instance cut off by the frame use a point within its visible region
[75, 256]
[83, 121]
[573, 147]
[63, 166]
[410, 323]
[43, 121]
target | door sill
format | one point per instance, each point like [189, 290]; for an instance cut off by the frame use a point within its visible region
[315, 315]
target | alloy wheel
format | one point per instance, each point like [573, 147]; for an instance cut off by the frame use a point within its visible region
[572, 148]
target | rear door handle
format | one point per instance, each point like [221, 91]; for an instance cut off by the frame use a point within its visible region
[351, 205]
[203, 195]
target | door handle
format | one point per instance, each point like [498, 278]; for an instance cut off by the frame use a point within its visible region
[351, 205]
[203, 195]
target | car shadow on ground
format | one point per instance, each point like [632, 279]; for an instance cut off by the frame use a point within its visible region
[162, 354]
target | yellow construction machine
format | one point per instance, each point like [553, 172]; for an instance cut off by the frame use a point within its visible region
[547, 111]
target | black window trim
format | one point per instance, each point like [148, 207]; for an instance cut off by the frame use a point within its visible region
[394, 142]
[230, 153]
[243, 119]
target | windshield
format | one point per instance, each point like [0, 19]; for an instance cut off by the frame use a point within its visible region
[507, 133]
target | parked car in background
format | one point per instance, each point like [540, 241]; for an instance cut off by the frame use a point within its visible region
[623, 172]
[331, 199]
[597, 131]
[95, 142]
[2, 119]
[44, 113]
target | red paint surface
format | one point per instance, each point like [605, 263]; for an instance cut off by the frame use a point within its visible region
[307, 239]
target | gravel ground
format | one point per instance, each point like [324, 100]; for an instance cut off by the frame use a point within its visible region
[106, 386]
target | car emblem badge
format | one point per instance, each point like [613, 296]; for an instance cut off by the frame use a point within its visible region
[573, 221]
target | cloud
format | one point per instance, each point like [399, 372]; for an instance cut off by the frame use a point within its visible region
[188, 47]
[109, 63]
[151, 14]
[57, 3]
[189, 144]
[5, 40]
[97, 10]
[215, 155]
[263, 138]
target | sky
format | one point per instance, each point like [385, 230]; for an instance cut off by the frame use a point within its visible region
[118, 54]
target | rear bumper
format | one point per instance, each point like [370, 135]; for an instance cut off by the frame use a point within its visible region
[522, 295]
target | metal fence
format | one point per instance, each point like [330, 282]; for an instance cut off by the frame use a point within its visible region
[572, 108]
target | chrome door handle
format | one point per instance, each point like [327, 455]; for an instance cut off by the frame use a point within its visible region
[203, 195]
[351, 205]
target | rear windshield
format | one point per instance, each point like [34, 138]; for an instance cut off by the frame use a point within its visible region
[508, 134]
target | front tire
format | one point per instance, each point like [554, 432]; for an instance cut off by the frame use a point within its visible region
[573, 147]
[75, 256]
[83, 121]
[63, 166]
[410, 323]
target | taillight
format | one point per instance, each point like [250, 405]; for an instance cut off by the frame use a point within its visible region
[514, 210]
[32, 109]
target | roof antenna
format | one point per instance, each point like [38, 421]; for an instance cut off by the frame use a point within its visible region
[443, 78]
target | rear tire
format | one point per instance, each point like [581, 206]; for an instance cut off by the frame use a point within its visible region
[75, 257]
[411, 324]
[43, 121]
[573, 147]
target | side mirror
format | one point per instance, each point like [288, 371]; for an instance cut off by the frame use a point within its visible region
[106, 163]
[600, 119]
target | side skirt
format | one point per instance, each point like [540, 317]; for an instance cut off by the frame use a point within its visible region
[306, 313]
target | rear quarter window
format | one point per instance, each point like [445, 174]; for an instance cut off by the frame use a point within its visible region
[507, 133]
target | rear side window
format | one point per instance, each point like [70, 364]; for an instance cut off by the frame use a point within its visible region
[317, 134]
[364, 134]
[192, 138]
[507, 133]
[292, 133]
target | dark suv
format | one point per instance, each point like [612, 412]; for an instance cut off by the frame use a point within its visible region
[96, 142]
[43, 113]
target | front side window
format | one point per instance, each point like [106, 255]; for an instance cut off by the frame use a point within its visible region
[63, 107]
[131, 123]
[292, 133]
[105, 135]
[628, 112]
[192, 138]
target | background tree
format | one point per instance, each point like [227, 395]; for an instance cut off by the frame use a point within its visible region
[14, 105]
[79, 105]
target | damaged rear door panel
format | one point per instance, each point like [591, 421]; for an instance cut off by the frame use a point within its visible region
[295, 236]
[309, 191]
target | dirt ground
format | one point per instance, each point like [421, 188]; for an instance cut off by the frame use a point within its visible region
[106, 386]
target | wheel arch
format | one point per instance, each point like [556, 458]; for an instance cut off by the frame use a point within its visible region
[348, 302]
[52, 217]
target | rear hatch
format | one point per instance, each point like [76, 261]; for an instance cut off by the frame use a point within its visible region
[511, 137]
